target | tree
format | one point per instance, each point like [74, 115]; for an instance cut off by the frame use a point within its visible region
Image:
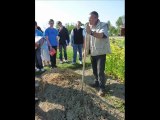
[109, 25]
[119, 22]
[69, 27]
[112, 30]
[82, 24]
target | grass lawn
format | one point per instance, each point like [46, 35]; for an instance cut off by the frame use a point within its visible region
[114, 62]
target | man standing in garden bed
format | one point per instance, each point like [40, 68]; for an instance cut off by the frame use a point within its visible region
[98, 44]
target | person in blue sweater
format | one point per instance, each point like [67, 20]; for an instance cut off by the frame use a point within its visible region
[51, 35]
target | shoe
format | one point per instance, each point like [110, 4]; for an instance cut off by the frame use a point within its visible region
[61, 62]
[73, 63]
[36, 99]
[80, 62]
[101, 93]
[55, 66]
[42, 70]
[37, 70]
[65, 61]
[95, 85]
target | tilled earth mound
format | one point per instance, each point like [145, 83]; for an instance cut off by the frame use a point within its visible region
[61, 98]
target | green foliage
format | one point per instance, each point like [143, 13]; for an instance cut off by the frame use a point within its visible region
[69, 27]
[115, 62]
[119, 21]
[114, 31]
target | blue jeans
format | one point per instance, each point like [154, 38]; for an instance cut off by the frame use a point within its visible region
[77, 47]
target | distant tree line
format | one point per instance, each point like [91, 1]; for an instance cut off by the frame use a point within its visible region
[115, 31]
[112, 30]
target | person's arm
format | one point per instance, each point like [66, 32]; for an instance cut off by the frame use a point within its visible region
[72, 40]
[58, 34]
[57, 38]
[68, 40]
[83, 39]
[36, 45]
[101, 34]
[41, 41]
[38, 33]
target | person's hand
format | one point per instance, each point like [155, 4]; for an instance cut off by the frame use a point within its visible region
[67, 43]
[50, 47]
[36, 45]
[88, 29]
[58, 38]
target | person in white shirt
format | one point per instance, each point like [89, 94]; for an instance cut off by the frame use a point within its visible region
[97, 42]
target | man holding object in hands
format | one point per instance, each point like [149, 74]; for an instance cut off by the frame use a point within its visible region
[98, 44]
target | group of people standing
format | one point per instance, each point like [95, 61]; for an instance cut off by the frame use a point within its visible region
[96, 44]
[59, 38]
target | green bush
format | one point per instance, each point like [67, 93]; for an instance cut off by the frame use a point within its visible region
[115, 62]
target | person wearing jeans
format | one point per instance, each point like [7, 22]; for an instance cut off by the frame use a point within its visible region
[64, 47]
[63, 42]
[98, 66]
[77, 41]
[76, 48]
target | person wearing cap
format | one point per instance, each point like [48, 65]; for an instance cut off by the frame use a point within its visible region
[63, 41]
[51, 36]
[77, 40]
[38, 59]
[98, 44]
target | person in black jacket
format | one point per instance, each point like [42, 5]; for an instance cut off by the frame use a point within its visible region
[63, 41]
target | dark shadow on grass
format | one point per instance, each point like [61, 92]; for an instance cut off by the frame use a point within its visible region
[117, 89]
[39, 73]
[76, 66]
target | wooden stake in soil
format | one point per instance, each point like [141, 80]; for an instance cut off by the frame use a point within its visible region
[84, 60]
